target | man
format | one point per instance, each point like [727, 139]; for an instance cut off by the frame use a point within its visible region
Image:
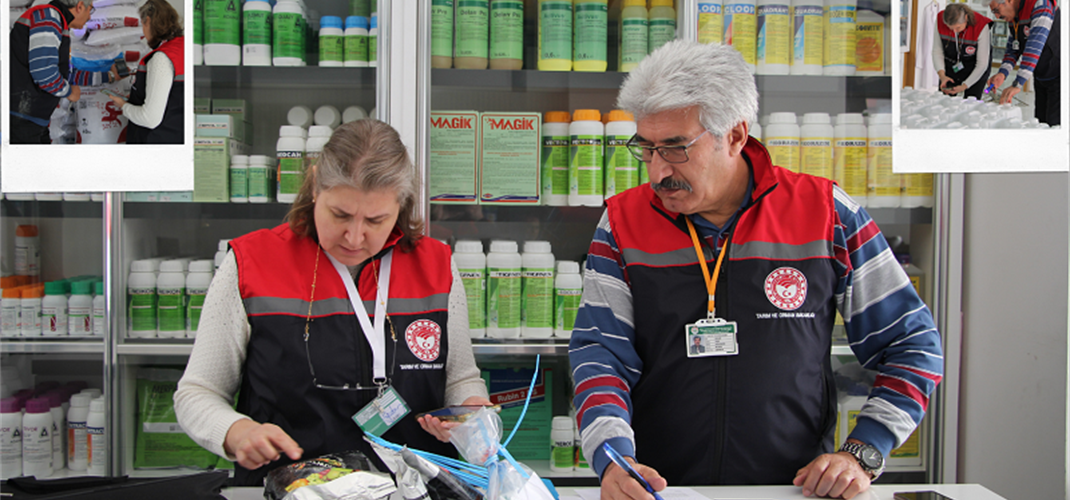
[40, 66]
[1036, 42]
[782, 252]
[696, 346]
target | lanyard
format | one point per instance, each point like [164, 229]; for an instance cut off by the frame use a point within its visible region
[711, 285]
[374, 334]
[958, 50]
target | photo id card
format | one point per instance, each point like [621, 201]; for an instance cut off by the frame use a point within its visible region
[715, 337]
[382, 413]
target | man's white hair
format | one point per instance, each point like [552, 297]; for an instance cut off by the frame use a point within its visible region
[682, 74]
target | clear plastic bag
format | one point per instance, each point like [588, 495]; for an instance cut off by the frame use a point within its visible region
[479, 438]
[318, 474]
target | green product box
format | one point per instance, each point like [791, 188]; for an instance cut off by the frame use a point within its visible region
[454, 164]
[508, 387]
[211, 167]
[235, 107]
[141, 196]
[202, 106]
[221, 126]
[509, 163]
[176, 196]
[159, 441]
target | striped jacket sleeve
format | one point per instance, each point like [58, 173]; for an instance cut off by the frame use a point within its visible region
[605, 365]
[46, 26]
[888, 326]
[1039, 26]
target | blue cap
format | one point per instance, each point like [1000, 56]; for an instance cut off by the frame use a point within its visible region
[375, 21]
[357, 22]
[265, 1]
[331, 22]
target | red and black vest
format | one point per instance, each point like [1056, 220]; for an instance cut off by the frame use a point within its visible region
[759, 416]
[275, 272]
[962, 47]
[1048, 63]
[26, 97]
[170, 130]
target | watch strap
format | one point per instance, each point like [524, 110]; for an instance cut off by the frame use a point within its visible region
[855, 449]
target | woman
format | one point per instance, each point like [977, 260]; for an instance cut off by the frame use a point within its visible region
[278, 320]
[963, 56]
[155, 105]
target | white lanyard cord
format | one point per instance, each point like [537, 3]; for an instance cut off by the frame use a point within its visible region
[374, 333]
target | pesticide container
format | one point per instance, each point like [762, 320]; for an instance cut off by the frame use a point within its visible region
[290, 151]
[568, 290]
[556, 144]
[171, 300]
[37, 438]
[506, 34]
[562, 445]
[441, 33]
[781, 138]
[633, 34]
[30, 311]
[239, 179]
[54, 310]
[869, 44]
[99, 323]
[332, 42]
[97, 437]
[622, 168]
[197, 282]
[590, 22]
[586, 159]
[355, 43]
[808, 37]
[10, 438]
[141, 300]
[839, 53]
[504, 266]
[537, 287]
[883, 186]
[261, 179]
[815, 146]
[710, 22]
[198, 32]
[373, 42]
[849, 155]
[662, 19]
[555, 35]
[222, 33]
[80, 309]
[773, 51]
[256, 33]
[472, 30]
[740, 29]
[27, 250]
[472, 266]
[288, 30]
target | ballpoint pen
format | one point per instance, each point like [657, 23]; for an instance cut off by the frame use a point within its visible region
[618, 459]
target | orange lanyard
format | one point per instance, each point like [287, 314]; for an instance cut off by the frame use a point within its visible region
[711, 284]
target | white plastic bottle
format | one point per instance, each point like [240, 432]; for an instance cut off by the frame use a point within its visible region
[76, 197]
[197, 282]
[353, 113]
[332, 44]
[239, 179]
[782, 140]
[318, 136]
[59, 430]
[80, 309]
[54, 310]
[356, 42]
[568, 290]
[287, 27]
[586, 159]
[815, 146]
[839, 58]
[740, 29]
[97, 436]
[883, 186]
[472, 266]
[869, 44]
[471, 34]
[261, 179]
[554, 38]
[290, 151]
[222, 33]
[99, 321]
[917, 190]
[141, 300]
[622, 168]
[662, 22]
[755, 130]
[773, 51]
[27, 251]
[634, 34]
[256, 33]
[171, 300]
[849, 155]
[10, 438]
[373, 41]
[221, 252]
[30, 311]
[10, 308]
[77, 417]
[326, 116]
[562, 445]
[506, 34]
[589, 39]
[300, 116]
[537, 316]
[808, 37]
[710, 22]
[37, 438]
[555, 158]
[504, 266]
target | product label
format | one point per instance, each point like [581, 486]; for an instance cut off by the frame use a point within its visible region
[76, 441]
[80, 321]
[710, 22]
[30, 319]
[360, 8]
[239, 182]
[840, 35]
[54, 320]
[196, 304]
[555, 30]
[27, 260]
[141, 309]
[472, 28]
[555, 155]
[809, 35]
[373, 48]
[291, 171]
[256, 27]
[289, 35]
[475, 289]
[507, 29]
[869, 46]
[98, 320]
[784, 152]
[561, 455]
[503, 298]
[850, 165]
[198, 21]
[882, 181]
[441, 28]
[538, 298]
[9, 320]
[97, 446]
[816, 155]
[221, 22]
[454, 166]
[591, 32]
[356, 48]
[332, 48]
[774, 35]
[509, 158]
[740, 29]
[586, 159]
[661, 32]
[171, 309]
[566, 303]
[917, 184]
[260, 182]
[11, 448]
[36, 447]
[622, 168]
[633, 45]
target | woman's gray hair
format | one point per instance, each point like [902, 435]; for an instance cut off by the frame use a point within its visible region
[957, 13]
[682, 74]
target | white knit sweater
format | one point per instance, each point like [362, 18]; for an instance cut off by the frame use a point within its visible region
[205, 397]
[160, 75]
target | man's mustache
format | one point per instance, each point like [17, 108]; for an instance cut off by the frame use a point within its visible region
[670, 183]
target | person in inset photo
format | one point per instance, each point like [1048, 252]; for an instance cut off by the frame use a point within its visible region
[1034, 47]
[963, 51]
[696, 345]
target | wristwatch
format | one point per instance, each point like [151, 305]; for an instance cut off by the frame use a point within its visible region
[870, 458]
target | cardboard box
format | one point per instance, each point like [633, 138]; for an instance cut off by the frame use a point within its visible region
[202, 106]
[221, 126]
[508, 387]
[236, 107]
[211, 167]
[509, 163]
[453, 160]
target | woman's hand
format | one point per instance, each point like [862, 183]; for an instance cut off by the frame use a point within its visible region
[440, 429]
[119, 101]
[254, 445]
[944, 80]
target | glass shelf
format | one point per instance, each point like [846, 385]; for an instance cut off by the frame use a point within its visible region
[53, 209]
[68, 345]
[284, 77]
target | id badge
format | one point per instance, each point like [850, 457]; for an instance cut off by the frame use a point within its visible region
[1016, 46]
[958, 66]
[711, 337]
[382, 413]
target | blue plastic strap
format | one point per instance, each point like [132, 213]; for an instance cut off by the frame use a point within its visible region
[527, 401]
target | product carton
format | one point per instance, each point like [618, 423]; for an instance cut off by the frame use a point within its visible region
[202, 106]
[211, 167]
[141, 196]
[510, 144]
[236, 107]
[221, 126]
[508, 387]
[454, 164]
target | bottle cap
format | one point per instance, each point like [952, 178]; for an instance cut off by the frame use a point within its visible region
[661, 3]
[13, 293]
[242, 159]
[10, 405]
[563, 423]
[587, 115]
[80, 400]
[568, 267]
[32, 292]
[503, 246]
[816, 118]
[202, 266]
[26, 231]
[91, 392]
[557, 116]
[469, 246]
[354, 113]
[97, 405]
[536, 246]
[55, 398]
[634, 3]
[374, 24]
[330, 22]
[54, 288]
[881, 119]
[357, 22]
[320, 130]
[781, 117]
[9, 282]
[172, 266]
[81, 288]
[38, 405]
[291, 130]
[300, 116]
[224, 245]
[619, 115]
[850, 118]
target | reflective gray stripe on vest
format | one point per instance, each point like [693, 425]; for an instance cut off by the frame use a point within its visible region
[296, 307]
[413, 306]
[681, 257]
[783, 251]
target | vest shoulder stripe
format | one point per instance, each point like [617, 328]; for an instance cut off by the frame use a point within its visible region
[258, 306]
[816, 249]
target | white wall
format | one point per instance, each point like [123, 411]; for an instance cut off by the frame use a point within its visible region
[1012, 419]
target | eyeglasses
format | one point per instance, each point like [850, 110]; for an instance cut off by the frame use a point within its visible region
[671, 154]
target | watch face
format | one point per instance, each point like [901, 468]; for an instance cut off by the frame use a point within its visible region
[871, 458]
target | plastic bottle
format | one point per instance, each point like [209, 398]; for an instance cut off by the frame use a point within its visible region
[506, 34]
[327, 116]
[97, 439]
[472, 266]
[442, 33]
[222, 33]
[59, 429]
[10, 308]
[849, 155]
[76, 197]
[80, 309]
[503, 290]
[710, 22]
[839, 59]
[808, 44]
[634, 34]
[740, 29]
[782, 140]
[662, 22]
[331, 42]
[48, 196]
[198, 32]
[883, 186]
[869, 44]
[171, 302]
[755, 130]
[360, 8]
[239, 179]
[622, 168]
[472, 30]
[353, 113]
[30, 311]
[562, 445]
[537, 317]
[917, 190]
[27, 251]
[300, 116]
[256, 33]
[54, 310]
[10, 438]
[356, 42]
[197, 282]
[261, 179]
[287, 27]
[99, 323]
[815, 146]
[773, 51]
[92, 392]
[590, 22]
[37, 438]
[555, 35]
[290, 151]
[556, 142]
[568, 290]
[141, 300]
[373, 41]
[586, 158]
